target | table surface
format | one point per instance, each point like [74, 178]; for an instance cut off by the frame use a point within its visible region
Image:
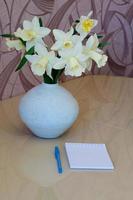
[27, 165]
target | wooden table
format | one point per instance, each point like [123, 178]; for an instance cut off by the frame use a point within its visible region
[27, 165]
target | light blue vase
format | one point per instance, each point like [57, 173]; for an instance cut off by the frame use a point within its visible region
[48, 110]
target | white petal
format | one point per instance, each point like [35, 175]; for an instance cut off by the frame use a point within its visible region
[52, 61]
[103, 61]
[83, 18]
[74, 67]
[78, 28]
[59, 64]
[35, 23]
[76, 38]
[92, 42]
[27, 25]
[77, 72]
[43, 31]
[57, 45]
[17, 44]
[65, 53]
[32, 58]
[41, 49]
[78, 48]
[49, 70]
[40, 41]
[18, 32]
[52, 53]
[89, 64]
[58, 34]
[95, 22]
[37, 71]
[99, 51]
[30, 44]
[98, 58]
[82, 57]
[70, 33]
[89, 14]
[94, 55]
[81, 32]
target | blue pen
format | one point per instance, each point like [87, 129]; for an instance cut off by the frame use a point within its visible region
[58, 159]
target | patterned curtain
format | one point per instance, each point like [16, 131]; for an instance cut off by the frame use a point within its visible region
[115, 23]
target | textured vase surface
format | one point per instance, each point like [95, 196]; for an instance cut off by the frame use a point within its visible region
[48, 110]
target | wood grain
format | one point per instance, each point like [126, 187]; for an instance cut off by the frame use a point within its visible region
[27, 165]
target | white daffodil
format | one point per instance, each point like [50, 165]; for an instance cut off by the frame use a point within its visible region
[43, 61]
[93, 52]
[64, 41]
[16, 44]
[85, 25]
[75, 61]
[32, 33]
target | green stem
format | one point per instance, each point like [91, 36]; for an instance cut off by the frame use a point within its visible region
[47, 79]
[55, 74]
[58, 74]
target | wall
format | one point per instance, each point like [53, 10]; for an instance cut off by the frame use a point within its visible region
[115, 22]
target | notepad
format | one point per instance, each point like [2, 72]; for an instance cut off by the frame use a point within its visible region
[88, 156]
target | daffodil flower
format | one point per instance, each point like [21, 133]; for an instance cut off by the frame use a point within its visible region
[64, 41]
[32, 33]
[75, 61]
[16, 44]
[93, 52]
[43, 61]
[85, 25]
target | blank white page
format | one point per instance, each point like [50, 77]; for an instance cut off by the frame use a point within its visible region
[88, 156]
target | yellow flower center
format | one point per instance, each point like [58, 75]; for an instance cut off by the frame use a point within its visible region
[68, 44]
[42, 63]
[30, 34]
[87, 25]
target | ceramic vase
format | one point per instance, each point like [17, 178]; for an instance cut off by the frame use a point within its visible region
[48, 110]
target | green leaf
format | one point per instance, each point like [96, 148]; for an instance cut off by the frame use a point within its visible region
[100, 36]
[24, 59]
[47, 79]
[75, 32]
[40, 22]
[103, 44]
[21, 64]
[57, 74]
[8, 35]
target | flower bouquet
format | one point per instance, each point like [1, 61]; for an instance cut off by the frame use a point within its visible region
[48, 109]
[71, 53]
